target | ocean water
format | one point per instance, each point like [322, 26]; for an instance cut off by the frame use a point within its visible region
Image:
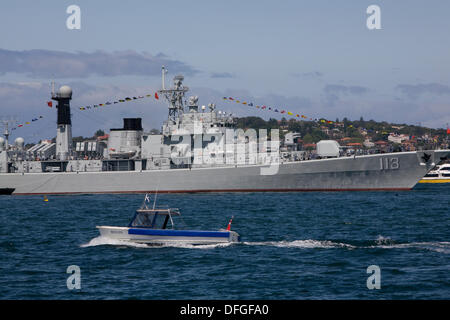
[315, 245]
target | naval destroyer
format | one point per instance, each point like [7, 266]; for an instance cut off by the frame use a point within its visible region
[198, 149]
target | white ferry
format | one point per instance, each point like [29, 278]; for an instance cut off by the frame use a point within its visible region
[440, 174]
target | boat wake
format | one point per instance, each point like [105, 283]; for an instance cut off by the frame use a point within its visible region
[101, 241]
[379, 243]
[301, 244]
[441, 247]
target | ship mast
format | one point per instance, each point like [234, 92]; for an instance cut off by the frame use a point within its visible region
[7, 132]
[174, 96]
[163, 75]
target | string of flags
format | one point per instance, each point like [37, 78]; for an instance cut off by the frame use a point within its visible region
[27, 123]
[281, 111]
[108, 103]
[228, 99]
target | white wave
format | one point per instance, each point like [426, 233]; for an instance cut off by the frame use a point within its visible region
[384, 240]
[179, 244]
[101, 241]
[302, 244]
[441, 247]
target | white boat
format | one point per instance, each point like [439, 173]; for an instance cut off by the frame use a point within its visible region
[154, 226]
[440, 174]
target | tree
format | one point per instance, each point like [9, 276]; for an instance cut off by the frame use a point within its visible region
[308, 138]
[99, 133]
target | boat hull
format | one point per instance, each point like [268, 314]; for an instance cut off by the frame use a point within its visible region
[167, 236]
[393, 171]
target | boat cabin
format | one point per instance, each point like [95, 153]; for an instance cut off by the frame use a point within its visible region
[153, 218]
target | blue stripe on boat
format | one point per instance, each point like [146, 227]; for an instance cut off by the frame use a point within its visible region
[179, 233]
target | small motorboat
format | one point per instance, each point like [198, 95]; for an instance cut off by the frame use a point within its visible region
[154, 226]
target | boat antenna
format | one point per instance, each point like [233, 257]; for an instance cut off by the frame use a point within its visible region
[154, 201]
[171, 221]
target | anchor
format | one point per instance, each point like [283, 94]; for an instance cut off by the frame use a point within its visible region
[426, 157]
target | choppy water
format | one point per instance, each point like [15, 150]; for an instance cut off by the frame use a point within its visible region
[294, 246]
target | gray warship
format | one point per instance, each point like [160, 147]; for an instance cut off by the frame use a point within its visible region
[198, 149]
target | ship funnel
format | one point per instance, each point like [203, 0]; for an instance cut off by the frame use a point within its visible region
[64, 123]
[134, 124]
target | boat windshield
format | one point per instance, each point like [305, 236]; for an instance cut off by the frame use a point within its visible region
[154, 219]
[143, 219]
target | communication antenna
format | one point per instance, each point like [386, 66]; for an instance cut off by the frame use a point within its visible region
[163, 71]
[174, 96]
[212, 106]
[53, 88]
[6, 124]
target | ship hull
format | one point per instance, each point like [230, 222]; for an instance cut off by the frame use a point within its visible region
[394, 171]
[6, 191]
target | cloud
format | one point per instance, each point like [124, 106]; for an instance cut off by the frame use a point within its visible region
[415, 91]
[346, 90]
[222, 75]
[308, 75]
[333, 92]
[60, 64]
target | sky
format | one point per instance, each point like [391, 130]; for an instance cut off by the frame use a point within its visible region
[316, 58]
